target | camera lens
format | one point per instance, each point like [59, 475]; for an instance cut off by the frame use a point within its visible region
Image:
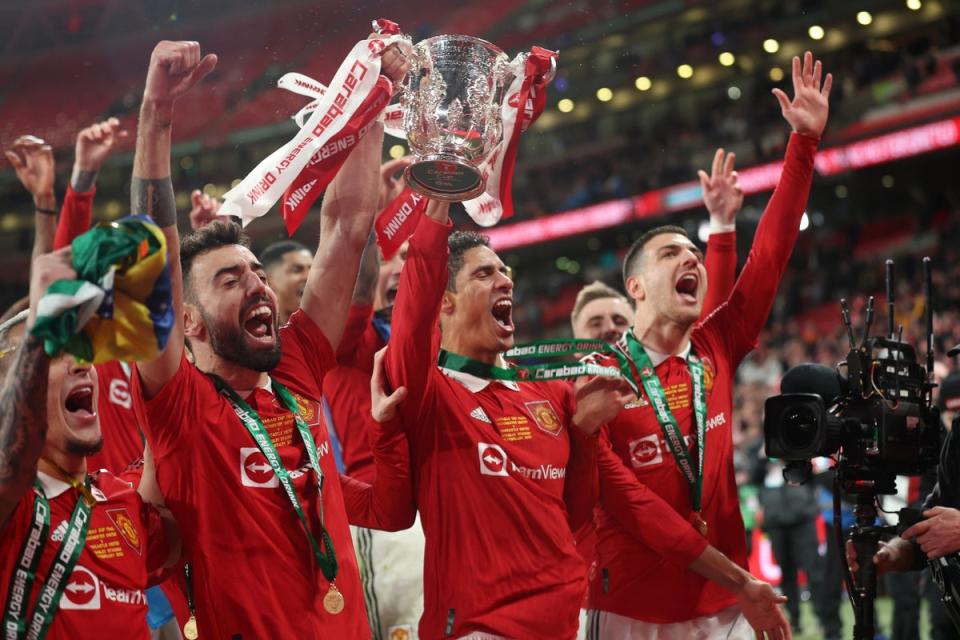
[800, 428]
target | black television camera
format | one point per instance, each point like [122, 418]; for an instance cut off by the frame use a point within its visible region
[874, 414]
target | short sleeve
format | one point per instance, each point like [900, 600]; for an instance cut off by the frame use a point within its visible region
[307, 355]
[171, 418]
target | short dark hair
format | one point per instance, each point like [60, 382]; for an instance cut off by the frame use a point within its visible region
[459, 243]
[215, 235]
[635, 253]
[273, 254]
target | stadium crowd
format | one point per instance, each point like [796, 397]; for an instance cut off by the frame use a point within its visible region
[199, 441]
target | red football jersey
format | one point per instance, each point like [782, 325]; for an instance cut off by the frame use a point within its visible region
[496, 469]
[122, 439]
[640, 571]
[347, 390]
[254, 571]
[104, 596]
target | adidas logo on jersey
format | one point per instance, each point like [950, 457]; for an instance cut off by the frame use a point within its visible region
[59, 532]
[480, 414]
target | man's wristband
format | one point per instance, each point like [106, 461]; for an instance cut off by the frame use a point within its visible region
[49, 212]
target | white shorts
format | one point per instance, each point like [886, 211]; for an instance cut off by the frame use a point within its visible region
[391, 572]
[726, 624]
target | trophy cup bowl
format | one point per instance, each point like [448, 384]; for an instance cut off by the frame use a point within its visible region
[452, 100]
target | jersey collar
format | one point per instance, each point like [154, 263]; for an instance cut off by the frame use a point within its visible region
[54, 487]
[656, 357]
[475, 384]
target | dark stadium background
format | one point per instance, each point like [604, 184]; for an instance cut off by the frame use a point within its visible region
[615, 152]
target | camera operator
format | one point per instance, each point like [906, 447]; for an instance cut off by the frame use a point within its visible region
[938, 535]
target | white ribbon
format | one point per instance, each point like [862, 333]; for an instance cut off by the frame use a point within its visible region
[392, 116]
[487, 209]
[355, 78]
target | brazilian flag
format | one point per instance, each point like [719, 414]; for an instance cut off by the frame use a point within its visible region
[120, 306]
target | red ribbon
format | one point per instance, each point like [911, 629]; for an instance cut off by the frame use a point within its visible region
[324, 165]
[399, 220]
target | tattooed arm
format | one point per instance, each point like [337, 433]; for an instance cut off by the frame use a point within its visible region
[175, 67]
[366, 285]
[23, 395]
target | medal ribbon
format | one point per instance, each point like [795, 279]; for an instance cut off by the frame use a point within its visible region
[327, 561]
[21, 583]
[668, 424]
[536, 372]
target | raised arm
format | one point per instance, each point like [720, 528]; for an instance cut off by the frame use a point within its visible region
[94, 144]
[32, 159]
[23, 396]
[346, 218]
[723, 199]
[749, 304]
[416, 312]
[175, 67]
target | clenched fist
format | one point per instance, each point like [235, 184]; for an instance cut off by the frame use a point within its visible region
[174, 68]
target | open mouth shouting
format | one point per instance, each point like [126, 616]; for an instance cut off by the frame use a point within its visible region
[687, 287]
[79, 407]
[259, 323]
[502, 312]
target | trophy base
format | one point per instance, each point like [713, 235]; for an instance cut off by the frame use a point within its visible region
[445, 177]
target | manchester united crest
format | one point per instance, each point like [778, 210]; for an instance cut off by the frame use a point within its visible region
[544, 415]
[125, 527]
[708, 373]
[308, 410]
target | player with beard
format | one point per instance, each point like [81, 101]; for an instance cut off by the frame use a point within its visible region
[502, 469]
[77, 547]
[242, 455]
[602, 313]
[686, 370]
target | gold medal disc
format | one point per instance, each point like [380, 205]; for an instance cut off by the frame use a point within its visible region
[190, 629]
[333, 601]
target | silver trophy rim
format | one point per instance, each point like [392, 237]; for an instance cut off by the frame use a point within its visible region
[472, 39]
[445, 196]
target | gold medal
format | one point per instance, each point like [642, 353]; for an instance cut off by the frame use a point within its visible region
[700, 524]
[190, 629]
[333, 601]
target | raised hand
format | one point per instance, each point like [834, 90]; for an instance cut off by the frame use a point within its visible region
[32, 159]
[383, 406]
[47, 269]
[395, 62]
[760, 605]
[599, 400]
[174, 68]
[203, 209]
[95, 143]
[390, 185]
[722, 194]
[808, 111]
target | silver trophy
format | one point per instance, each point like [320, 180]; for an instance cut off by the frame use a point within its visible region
[452, 100]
